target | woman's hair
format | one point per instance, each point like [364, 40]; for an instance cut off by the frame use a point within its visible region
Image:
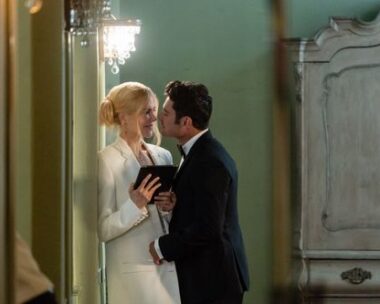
[129, 98]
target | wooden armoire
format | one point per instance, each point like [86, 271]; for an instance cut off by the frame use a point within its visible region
[337, 152]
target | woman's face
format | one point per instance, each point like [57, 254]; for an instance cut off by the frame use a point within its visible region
[147, 118]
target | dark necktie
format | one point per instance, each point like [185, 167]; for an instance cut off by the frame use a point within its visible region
[181, 151]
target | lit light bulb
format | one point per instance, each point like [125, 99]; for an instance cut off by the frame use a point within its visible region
[34, 6]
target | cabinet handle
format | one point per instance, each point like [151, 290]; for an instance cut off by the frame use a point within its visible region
[356, 275]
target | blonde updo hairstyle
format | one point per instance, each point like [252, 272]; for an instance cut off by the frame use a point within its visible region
[129, 98]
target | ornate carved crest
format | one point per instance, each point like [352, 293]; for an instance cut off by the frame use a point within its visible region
[356, 275]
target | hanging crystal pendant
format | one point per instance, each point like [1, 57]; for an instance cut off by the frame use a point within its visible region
[119, 41]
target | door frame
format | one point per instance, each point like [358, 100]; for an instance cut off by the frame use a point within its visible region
[7, 72]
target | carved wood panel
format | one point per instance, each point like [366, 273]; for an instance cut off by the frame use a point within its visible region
[337, 132]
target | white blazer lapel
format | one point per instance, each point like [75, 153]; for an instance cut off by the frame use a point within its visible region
[157, 157]
[131, 165]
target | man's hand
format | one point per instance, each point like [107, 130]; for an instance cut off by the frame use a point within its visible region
[153, 253]
[165, 201]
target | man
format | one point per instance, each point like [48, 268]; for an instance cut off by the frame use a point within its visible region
[204, 237]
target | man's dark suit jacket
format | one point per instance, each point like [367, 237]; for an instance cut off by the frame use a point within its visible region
[204, 237]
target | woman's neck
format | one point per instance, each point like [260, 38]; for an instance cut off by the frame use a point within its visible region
[133, 141]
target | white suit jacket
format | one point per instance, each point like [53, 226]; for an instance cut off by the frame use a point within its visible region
[128, 230]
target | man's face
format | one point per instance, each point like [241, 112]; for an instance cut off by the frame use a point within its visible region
[167, 119]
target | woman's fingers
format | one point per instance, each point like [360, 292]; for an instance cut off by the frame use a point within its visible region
[154, 188]
[147, 188]
[153, 183]
[144, 192]
[147, 184]
[144, 181]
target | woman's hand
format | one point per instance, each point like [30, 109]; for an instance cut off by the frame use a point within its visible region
[142, 195]
[165, 201]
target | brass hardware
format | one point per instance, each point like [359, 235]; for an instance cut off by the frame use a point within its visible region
[356, 275]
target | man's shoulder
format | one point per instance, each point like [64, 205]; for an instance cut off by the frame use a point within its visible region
[216, 149]
[213, 153]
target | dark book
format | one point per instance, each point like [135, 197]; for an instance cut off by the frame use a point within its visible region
[166, 174]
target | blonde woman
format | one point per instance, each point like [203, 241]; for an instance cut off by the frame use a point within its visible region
[127, 224]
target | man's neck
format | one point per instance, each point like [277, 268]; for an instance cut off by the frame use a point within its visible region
[189, 135]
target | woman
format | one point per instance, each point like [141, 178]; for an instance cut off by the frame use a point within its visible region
[126, 223]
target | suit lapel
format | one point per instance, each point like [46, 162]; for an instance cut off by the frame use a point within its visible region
[195, 149]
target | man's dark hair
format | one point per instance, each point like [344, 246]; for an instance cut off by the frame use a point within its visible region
[190, 99]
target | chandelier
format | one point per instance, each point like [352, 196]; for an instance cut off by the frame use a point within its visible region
[118, 41]
[117, 37]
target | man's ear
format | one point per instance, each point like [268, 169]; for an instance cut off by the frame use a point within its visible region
[187, 121]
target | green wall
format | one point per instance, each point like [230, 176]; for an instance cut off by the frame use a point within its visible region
[225, 45]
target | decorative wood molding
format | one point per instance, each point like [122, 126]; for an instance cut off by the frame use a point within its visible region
[323, 46]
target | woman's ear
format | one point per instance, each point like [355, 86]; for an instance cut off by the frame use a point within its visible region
[122, 119]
